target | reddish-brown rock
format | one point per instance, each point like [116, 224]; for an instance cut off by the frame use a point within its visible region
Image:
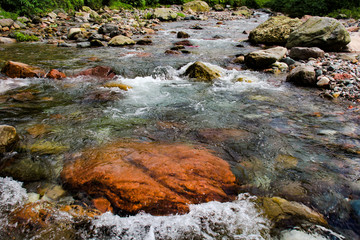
[55, 74]
[342, 76]
[99, 71]
[154, 177]
[21, 70]
[102, 204]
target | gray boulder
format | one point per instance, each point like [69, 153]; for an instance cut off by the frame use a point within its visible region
[304, 53]
[108, 28]
[264, 58]
[275, 30]
[7, 22]
[165, 14]
[323, 32]
[303, 75]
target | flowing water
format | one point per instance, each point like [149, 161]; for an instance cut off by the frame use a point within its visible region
[299, 147]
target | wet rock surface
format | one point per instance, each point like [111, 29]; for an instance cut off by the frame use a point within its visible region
[156, 178]
[325, 33]
[21, 70]
[202, 72]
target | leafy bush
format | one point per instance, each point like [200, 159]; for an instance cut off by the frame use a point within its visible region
[346, 13]
[298, 8]
[20, 37]
[5, 14]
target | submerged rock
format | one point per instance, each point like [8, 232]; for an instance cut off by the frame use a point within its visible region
[201, 72]
[264, 58]
[99, 71]
[275, 30]
[152, 177]
[278, 209]
[8, 137]
[326, 33]
[196, 6]
[21, 70]
[117, 85]
[55, 74]
[27, 169]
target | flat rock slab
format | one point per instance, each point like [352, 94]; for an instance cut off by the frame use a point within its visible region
[156, 178]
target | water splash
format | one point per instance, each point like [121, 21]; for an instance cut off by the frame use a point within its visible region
[213, 220]
[12, 196]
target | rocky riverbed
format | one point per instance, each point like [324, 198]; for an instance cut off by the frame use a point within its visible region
[247, 140]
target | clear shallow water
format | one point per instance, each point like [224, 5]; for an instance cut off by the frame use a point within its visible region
[299, 147]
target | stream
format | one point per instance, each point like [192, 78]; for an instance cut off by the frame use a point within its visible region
[299, 146]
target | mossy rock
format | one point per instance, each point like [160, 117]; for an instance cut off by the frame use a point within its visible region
[326, 33]
[27, 169]
[202, 73]
[196, 6]
[275, 30]
[47, 147]
[8, 138]
[278, 209]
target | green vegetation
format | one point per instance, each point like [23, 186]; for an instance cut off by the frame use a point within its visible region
[298, 8]
[346, 13]
[295, 8]
[20, 37]
[5, 14]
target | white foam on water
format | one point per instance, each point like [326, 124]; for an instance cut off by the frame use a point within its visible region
[12, 83]
[239, 219]
[299, 235]
[167, 90]
[12, 196]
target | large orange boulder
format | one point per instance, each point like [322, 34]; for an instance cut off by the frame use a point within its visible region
[157, 178]
[21, 70]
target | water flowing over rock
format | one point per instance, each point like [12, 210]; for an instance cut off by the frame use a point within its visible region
[154, 177]
[55, 74]
[302, 75]
[323, 32]
[8, 137]
[196, 6]
[201, 72]
[278, 209]
[275, 30]
[304, 53]
[165, 14]
[264, 58]
[99, 71]
[121, 40]
[21, 70]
